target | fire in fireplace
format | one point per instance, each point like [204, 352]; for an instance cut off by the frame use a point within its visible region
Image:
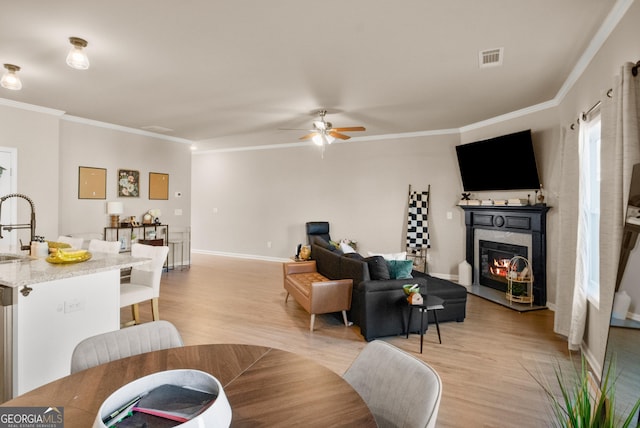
[494, 262]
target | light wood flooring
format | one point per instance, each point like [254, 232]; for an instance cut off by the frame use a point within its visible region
[487, 363]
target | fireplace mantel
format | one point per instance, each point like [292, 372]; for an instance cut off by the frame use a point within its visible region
[530, 219]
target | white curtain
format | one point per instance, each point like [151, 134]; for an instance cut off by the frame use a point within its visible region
[579, 303]
[567, 220]
[620, 145]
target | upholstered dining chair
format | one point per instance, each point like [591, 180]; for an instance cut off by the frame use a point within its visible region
[144, 283]
[126, 342]
[76, 243]
[400, 390]
[99, 246]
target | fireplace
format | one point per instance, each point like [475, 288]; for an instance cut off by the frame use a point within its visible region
[494, 262]
[522, 227]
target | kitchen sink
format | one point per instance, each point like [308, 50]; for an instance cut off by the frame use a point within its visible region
[5, 258]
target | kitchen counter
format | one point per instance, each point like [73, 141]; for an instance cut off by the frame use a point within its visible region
[46, 309]
[31, 270]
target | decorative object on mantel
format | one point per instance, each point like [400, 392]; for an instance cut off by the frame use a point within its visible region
[539, 196]
[465, 196]
[464, 202]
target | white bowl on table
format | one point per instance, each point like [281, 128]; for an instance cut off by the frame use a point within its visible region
[216, 415]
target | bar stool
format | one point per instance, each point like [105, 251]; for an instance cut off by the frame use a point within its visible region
[173, 245]
[431, 303]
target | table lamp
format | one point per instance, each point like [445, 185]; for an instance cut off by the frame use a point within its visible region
[114, 209]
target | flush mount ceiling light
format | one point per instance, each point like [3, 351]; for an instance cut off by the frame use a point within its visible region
[10, 79]
[77, 58]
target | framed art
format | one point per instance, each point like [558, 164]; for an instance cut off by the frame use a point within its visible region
[128, 183]
[158, 185]
[92, 183]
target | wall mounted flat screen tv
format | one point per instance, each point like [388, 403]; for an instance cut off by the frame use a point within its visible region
[501, 163]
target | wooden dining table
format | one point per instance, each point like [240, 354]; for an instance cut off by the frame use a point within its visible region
[266, 387]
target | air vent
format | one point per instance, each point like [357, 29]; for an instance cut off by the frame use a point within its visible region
[158, 129]
[491, 57]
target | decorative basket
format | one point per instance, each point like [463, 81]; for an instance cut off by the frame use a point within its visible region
[519, 281]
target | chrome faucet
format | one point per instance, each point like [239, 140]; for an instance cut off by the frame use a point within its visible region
[31, 225]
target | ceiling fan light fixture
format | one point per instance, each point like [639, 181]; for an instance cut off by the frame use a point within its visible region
[77, 57]
[10, 79]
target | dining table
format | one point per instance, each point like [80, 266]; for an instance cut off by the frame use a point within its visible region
[266, 387]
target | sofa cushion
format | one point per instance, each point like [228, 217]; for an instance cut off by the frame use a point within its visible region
[354, 255]
[378, 269]
[400, 269]
[327, 261]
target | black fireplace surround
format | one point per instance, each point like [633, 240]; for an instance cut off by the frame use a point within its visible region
[529, 220]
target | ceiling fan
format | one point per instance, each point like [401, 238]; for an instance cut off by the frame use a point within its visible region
[323, 132]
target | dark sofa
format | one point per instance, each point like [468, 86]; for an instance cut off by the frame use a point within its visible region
[379, 307]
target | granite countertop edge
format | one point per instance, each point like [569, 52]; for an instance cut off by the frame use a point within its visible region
[30, 270]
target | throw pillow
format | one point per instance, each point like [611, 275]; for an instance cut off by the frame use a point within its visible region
[378, 269]
[346, 248]
[391, 256]
[400, 269]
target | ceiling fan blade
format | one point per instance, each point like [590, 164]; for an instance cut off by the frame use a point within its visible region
[349, 129]
[309, 136]
[335, 134]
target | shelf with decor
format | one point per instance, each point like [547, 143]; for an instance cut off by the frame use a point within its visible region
[152, 234]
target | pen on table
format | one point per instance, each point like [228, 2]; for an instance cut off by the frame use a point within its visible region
[121, 409]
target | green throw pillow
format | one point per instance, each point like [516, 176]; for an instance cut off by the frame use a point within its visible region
[400, 269]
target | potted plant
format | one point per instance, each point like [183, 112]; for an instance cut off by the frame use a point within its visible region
[584, 404]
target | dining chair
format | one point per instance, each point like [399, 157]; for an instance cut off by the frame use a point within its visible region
[144, 283]
[76, 243]
[100, 246]
[400, 390]
[126, 342]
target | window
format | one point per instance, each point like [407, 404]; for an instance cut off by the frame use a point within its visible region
[589, 219]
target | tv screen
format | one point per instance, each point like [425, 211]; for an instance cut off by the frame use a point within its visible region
[501, 163]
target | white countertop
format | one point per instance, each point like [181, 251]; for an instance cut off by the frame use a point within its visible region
[35, 270]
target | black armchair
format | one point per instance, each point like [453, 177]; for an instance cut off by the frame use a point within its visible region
[319, 229]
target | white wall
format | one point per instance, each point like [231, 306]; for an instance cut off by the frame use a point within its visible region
[50, 151]
[35, 135]
[87, 145]
[361, 188]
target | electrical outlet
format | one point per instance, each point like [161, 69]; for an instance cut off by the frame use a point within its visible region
[449, 215]
[215, 211]
[177, 211]
[268, 244]
[73, 305]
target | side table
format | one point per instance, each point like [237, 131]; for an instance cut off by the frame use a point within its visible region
[431, 303]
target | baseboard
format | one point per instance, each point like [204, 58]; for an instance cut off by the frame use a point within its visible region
[241, 256]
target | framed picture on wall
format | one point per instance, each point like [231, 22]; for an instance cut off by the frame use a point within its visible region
[128, 183]
[92, 183]
[158, 185]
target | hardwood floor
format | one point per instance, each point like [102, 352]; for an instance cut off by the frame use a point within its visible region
[487, 363]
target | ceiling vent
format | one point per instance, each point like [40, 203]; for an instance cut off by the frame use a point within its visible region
[491, 57]
[157, 129]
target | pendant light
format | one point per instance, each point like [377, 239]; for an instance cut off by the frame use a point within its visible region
[77, 58]
[10, 79]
